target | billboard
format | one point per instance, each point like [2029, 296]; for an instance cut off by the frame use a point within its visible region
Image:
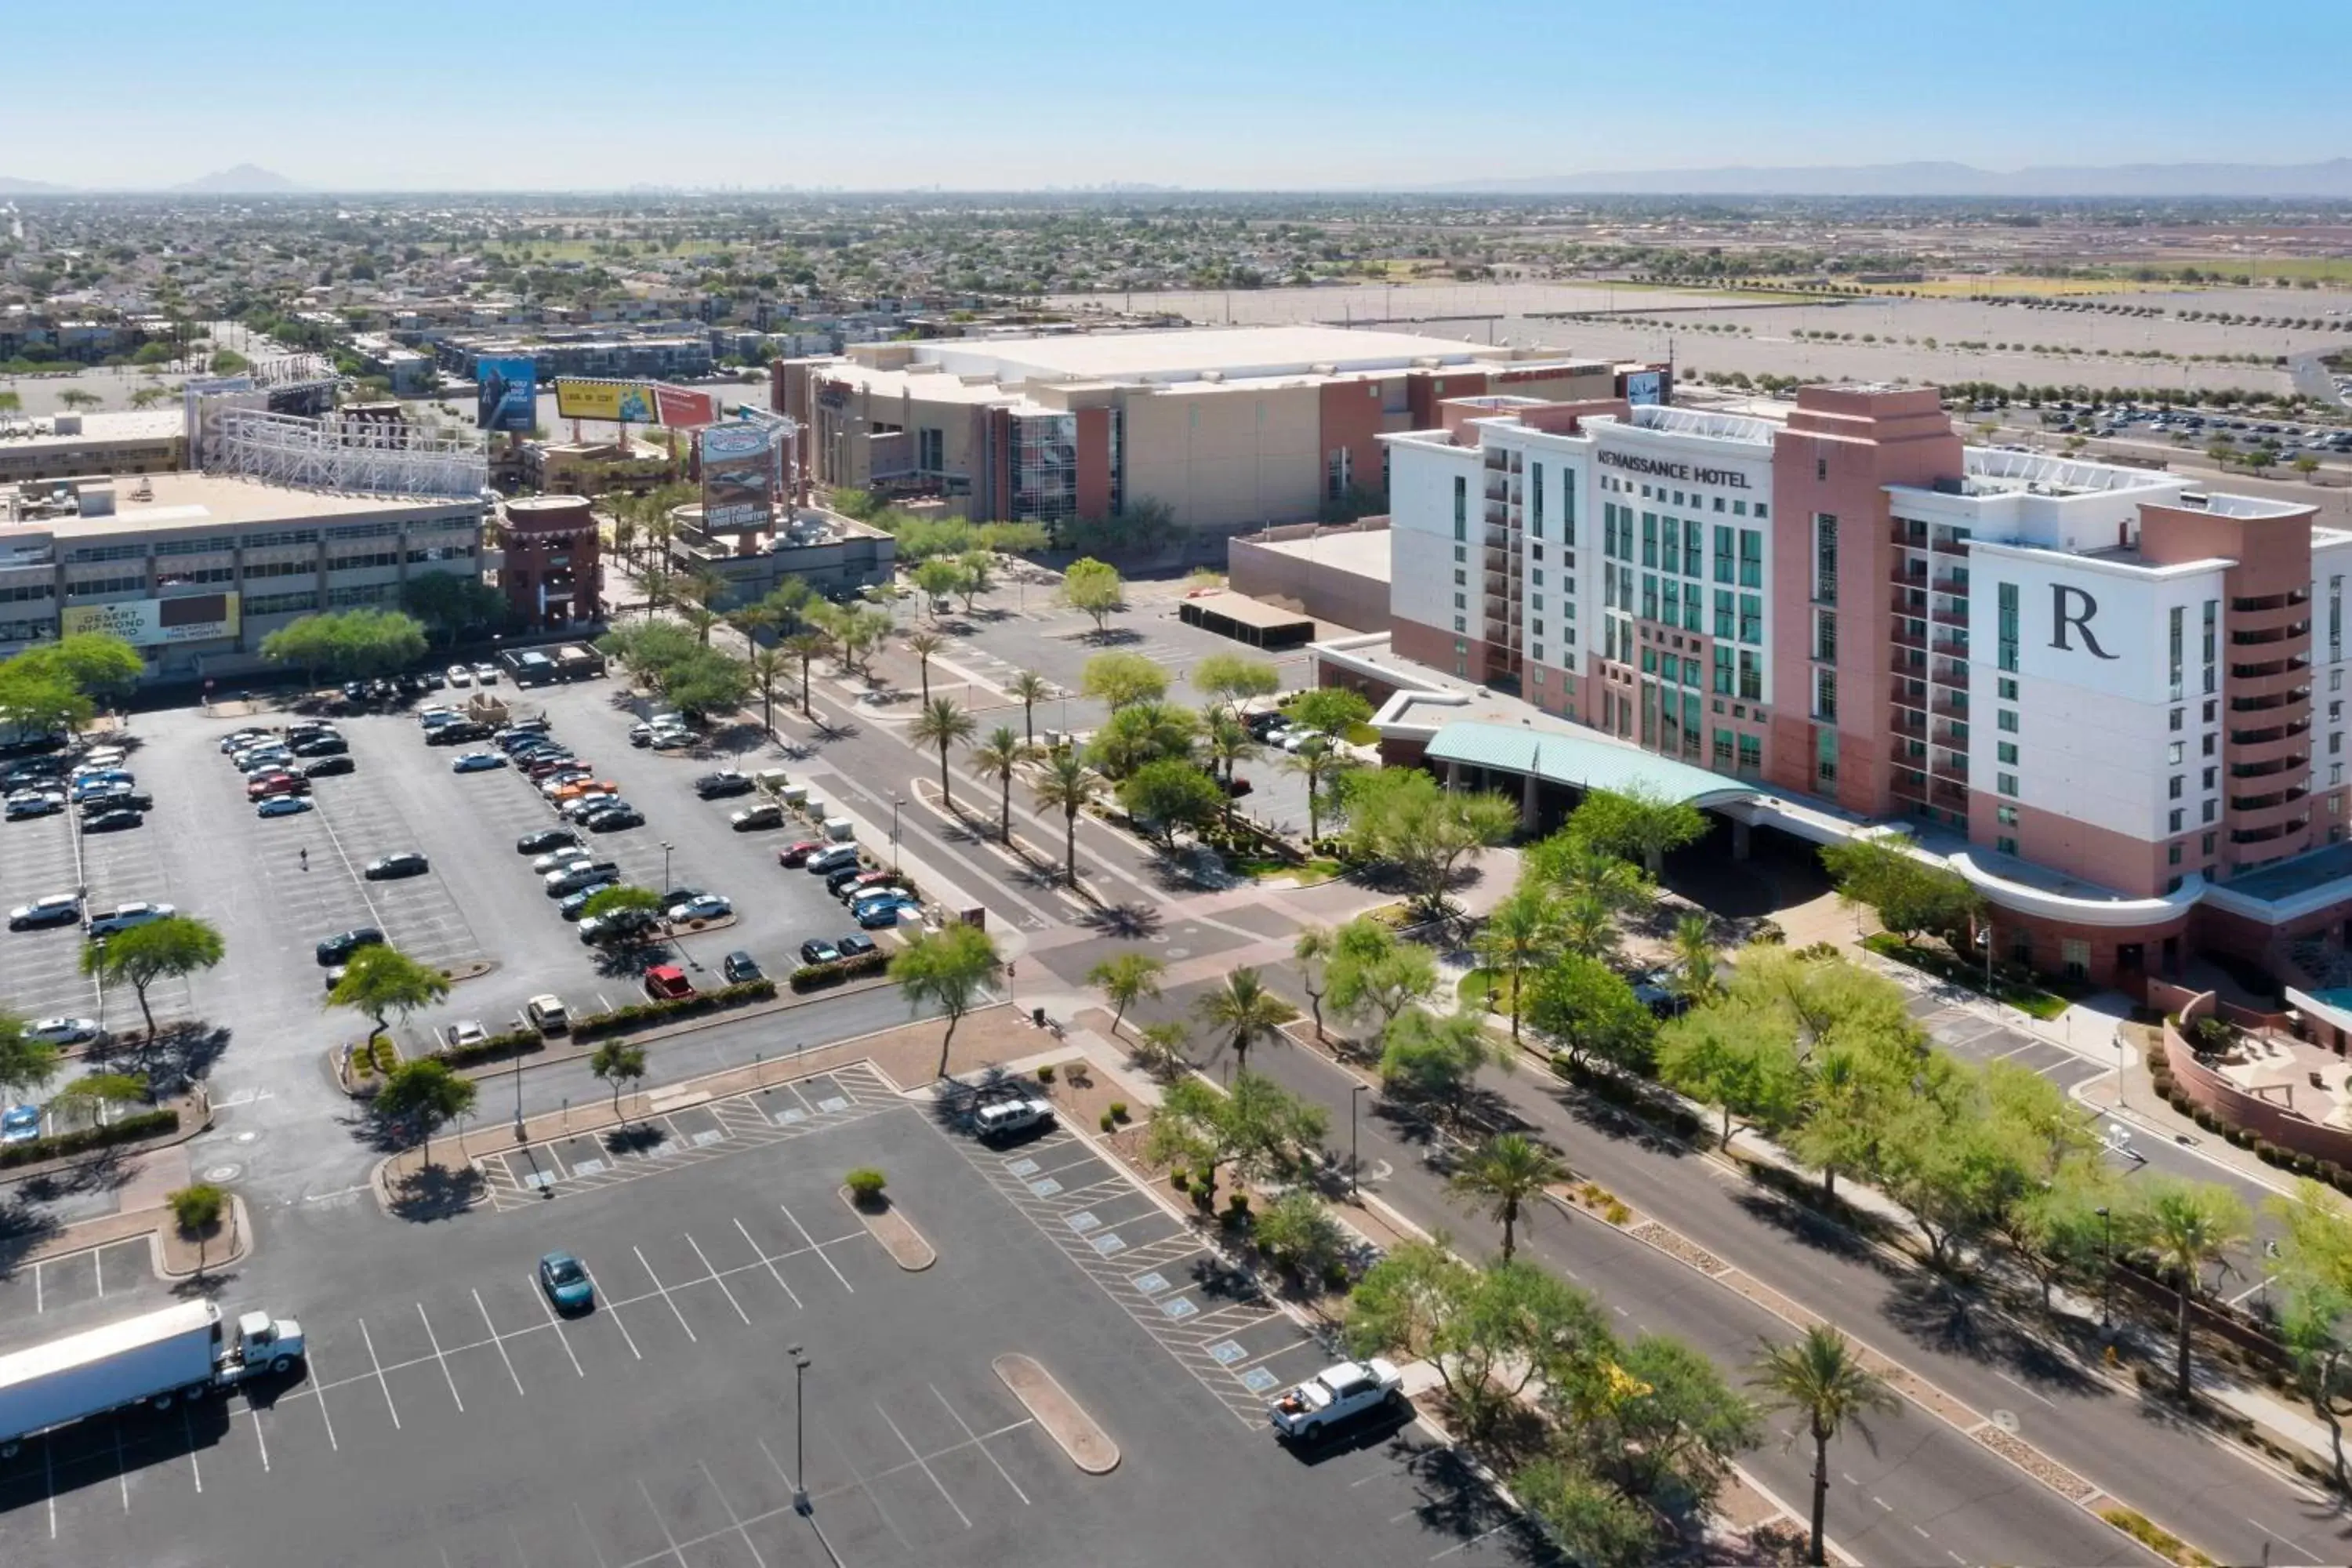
[152, 623]
[621, 402]
[683, 410]
[1643, 386]
[739, 478]
[506, 394]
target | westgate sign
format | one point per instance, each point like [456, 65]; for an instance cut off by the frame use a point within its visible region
[1634, 462]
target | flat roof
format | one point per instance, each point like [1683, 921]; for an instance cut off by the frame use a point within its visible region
[132, 425]
[1182, 353]
[1363, 555]
[193, 500]
[1243, 610]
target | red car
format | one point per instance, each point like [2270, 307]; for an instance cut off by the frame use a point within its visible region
[794, 853]
[268, 785]
[668, 982]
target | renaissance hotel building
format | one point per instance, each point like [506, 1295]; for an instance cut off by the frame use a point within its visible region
[2113, 700]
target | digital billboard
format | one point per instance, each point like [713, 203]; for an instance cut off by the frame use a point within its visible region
[1643, 386]
[621, 402]
[506, 394]
[151, 623]
[739, 478]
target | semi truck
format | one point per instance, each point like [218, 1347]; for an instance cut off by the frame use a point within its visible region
[178, 1352]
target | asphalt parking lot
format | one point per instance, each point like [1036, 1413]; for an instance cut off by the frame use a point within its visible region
[448, 1415]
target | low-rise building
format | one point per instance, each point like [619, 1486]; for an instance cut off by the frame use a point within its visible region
[65, 446]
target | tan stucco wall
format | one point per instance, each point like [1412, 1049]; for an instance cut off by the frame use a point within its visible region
[1217, 458]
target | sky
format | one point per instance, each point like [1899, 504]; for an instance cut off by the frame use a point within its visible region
[1216, 94]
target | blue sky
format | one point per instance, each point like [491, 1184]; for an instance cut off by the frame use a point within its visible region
[421, 94]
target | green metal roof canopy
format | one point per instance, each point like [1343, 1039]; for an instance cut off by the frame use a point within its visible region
[1581, 763]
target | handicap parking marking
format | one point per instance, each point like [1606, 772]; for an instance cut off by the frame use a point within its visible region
[1180, 1307]
[1258, 1380]
[1151, 1284]
[1108, 1244]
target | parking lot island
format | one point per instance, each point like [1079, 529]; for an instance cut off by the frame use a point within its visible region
[899, 1238]
[1063, 1419]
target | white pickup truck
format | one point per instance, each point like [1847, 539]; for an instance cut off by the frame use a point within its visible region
[1006, 1111]
[1336, 1395]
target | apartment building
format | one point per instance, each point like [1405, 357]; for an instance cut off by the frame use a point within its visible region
[2110, 699]
[1225, 426]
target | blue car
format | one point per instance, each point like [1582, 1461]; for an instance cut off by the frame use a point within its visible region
[477, 762]
[565, 1281]
[20, 1124]
[877, 914]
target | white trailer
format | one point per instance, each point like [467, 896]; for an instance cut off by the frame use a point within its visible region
[178, 1352]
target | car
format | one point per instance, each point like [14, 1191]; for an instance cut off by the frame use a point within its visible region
[847, 882]
[573, 789]
[619, 926]
[565, 1279]
[667, 983]
[102, 757]
[28, 803]
[282, 805]
[614, 819]
[53, 909]
[709, 907]
[1337, 1394]
[268, 785]
[457, 675]
[112, 820]
[854, 946]
[718, 786]
[568, 880]
[816, 949]
[464, 732]
[338, 948]
[486, 675]
[545, 1013]
[320, 767]
[882, 914]
[1655, 990]
[262, 760]
[389, 867]
[573, 905]
[755, 818]
[798, 854]
[92, 784]
[320, 746]
[565, 856]
[433, 713]
[1010, 1111]
[673, 740]
[61, 1031]
[739, 968]
[641, 735]
[832, 858]
[465, 1034]
[581, 807]
[539, 765]
[123, 917]
[540, 840]
[20, 1124]
[477, 763]
[237, 739]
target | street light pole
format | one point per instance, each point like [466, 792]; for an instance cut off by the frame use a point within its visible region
[1355, 1098]
[802, 1504]
[896, 802]
[2107, 1263]
[666, 848]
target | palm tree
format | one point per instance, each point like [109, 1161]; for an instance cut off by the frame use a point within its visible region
[768, 665]
[923, 645]
[1066, 786]
[1504, 1174]
[1314, 947]
[998, 757]
[1029, 689]
[1316, 761]
[1823, 1378]
[701, 620]
[1521, 932]
[2188, 1225]
[807, 645]
[1127, 978]
[1244, 1011]
[943, 724]
[703, 587]
[1694, 958]
[1227, 741]
[1588, 926]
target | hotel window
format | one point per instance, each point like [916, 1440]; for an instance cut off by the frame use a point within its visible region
[2176, 636]
[2172, 753]
[1692, 607]
[2005, 751]
[1535, 484]
[2005, 782]
[2210, 811]
[1459, 603]
[2005, 719]
[1568, 508]
[2212, 778]
[2006, 596]
[1825, 635]
[1751, 558]
[1650, 539]
[1693, 551]
[1724, 625]
[1752, 619]
[1460, 553]
[2179, 718]
[1722, 670]
[1751, 676]
[2175, 818]
[1671, 606]
[2212, 635]
[1751, 753]
[1670, 554]
[2007, 846]
[1722, 748]
[1825, 758]
[2005, 814]
[1726, 553]
[1460, 624]
[2172, 855]
[1461, 506]
[2006, 689]
[2174, 787]
[2205, 845]
[1649, 597]
[1825, 557]
[1825, 696]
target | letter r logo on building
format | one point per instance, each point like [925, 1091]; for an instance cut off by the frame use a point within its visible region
[2080, 620]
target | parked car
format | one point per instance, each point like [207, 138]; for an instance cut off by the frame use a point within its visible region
[798, 854]
[542, 839]
[29, 802]
[564, 1280]
[477, 762]
[847, 882]
[282, 805]
[572, 906]
[881, 914]
[467, 1034]
[619, 926]
[1337, 1394]
[320, 746]
[854, 946]
[613, 818]
[718, 786]
[667, 983]
[20, 1124]
[673, 740]
[1007, 1110]
[320, 767]
[833, 857]
[486, 675]
[112, 820]
[61, 1031]
[753, 818]
[53, 909]
[338, 948]
[569, 879]
[459, 675]
[709, 907]
[236, 739]
[563, 857]
[268, 785]
[739, 968]
[545, 1013]
[388, 867]
[816, 949]
[122, 797]
[464, 732]
[581, 807]
[122, 917]
[573, 789]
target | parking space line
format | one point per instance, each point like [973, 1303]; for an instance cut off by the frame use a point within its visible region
[924, 1463]
[664, 1294]
[319, 1392]
[98, 1269]
[262, 1442]
[771, 1262]
[646, 1493]
[732, 1517]
[557, 1324]
[589, 1535]
[496, 1339]
[37, 1289]
[435, 1340]
[1465, 1545]
[121, 1465]
[188, 1425]
[974, 1437]
[612, 1308]
[716, 1281]
[380, 1379]
[49, 1475]
[838, 1274]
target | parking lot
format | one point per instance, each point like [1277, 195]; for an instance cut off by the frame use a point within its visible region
[448, 1415]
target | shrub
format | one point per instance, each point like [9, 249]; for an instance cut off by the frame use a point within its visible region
[809, 976]
[386, 1054]
[1119, 1110]
[1616, 1213]
[1107, 1120]
[130, 1130]
[1045, 1073]
[1179, 1178]
[647, 1015]
[2155, 1537]
[1237, 1208]
[865, 1185]
[513, 1042]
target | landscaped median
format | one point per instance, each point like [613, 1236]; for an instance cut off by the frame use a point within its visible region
[173, 1121]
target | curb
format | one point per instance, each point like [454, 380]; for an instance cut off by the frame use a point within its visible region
[128, 1151]
[240, 1225]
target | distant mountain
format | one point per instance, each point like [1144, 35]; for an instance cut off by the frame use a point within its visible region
[2332, 179]
[25, 187]
[245, 180]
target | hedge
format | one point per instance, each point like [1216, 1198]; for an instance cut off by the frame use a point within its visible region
[130, 1130]
[809, 976]
[513, 1043]
[645, 1014]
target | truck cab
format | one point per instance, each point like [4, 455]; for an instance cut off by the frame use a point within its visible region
[263, 1343]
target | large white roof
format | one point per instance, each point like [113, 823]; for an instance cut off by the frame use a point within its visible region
[1184, 353]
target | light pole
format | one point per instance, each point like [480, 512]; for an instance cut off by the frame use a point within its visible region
[1355, 1098]
[99, 946]
[666, 848]
[896, 802]
[520, 1134]
[802, 1504]
[2106, 1263]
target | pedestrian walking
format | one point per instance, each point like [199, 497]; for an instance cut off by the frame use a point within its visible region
[306, 859]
